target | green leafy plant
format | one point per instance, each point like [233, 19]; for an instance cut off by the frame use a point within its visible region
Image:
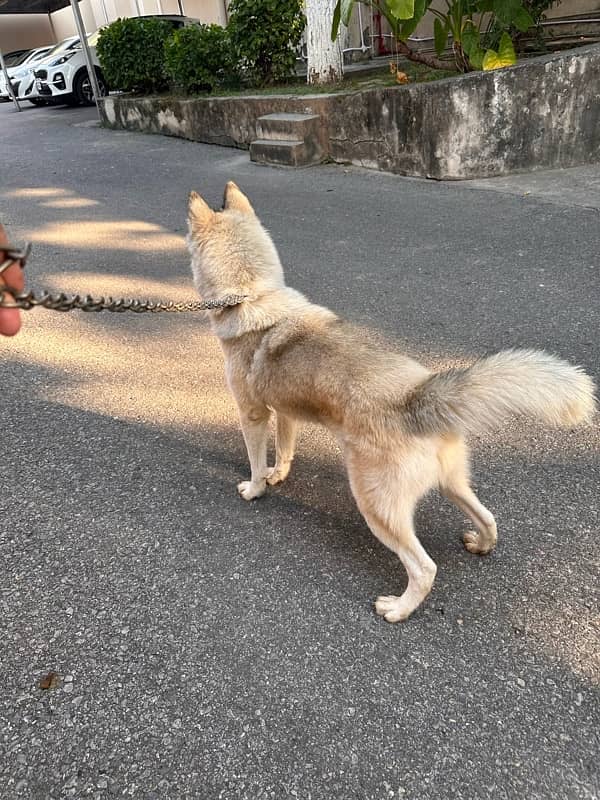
[199, 58]
[461, 22]
[503, 57]
[131, 53]
[264, 35]
[534, 34]
[402, 16]
[504, 18]
[457, 23]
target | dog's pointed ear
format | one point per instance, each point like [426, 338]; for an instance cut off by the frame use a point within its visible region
[199, 213]
[236, 199]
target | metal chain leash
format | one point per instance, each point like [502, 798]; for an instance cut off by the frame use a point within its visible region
[25, 301]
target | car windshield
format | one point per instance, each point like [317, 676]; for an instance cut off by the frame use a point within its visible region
[16, 58]
[66, 44]
[35, 55]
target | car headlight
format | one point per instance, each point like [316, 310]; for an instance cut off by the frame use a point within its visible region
[62, 59]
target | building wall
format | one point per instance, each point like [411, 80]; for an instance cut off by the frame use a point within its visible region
[205, 10]
[17, 33]
[425, 28]
[569, 7]
[33, 30]
[64, 24]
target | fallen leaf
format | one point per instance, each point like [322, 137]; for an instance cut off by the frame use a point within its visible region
[50, 681]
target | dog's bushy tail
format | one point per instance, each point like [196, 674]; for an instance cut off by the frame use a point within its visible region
[481, 396]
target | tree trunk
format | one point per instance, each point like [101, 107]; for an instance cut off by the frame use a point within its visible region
[324, 56]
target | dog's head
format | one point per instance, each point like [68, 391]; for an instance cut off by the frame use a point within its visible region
[231, 251]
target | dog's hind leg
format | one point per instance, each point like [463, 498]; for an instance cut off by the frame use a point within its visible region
[255, 428]
[483, 540]
[285, 444]
[419, 566]
[387, 498]
[454, 484]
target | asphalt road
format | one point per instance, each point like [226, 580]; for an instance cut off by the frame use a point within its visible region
[208, 648]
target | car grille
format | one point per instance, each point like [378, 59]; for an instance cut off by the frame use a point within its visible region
[41, 73]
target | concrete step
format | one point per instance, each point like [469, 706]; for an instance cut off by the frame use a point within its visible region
[288, 126]
[281, 152]
[294, 140]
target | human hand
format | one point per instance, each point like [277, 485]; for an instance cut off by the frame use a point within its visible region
[10, 318]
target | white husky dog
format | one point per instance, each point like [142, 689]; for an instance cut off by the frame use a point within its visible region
[401, 427]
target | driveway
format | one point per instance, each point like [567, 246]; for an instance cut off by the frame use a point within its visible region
[208, 648]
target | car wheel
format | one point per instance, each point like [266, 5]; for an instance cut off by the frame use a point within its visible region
[82, 88]
[37, 101]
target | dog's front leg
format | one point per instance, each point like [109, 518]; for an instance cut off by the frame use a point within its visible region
[285, 444]
[255, 428]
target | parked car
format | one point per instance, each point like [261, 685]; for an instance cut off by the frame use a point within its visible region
[27, 90]
[20, 71]
[14, 57]
[65, 80]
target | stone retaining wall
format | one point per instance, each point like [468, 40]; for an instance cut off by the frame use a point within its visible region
[540, 114]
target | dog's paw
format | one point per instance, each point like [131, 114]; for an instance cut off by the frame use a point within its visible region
[250, 491]
[392, 608]
[475, 543]
[278, 473]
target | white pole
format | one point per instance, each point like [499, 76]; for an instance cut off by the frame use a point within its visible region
[86, 51]
[9, 88]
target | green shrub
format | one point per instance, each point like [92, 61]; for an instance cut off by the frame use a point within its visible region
[131, 53]
[199, 57]
[264, 35]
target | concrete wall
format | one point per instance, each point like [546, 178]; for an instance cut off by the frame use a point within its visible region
[228, 121]
[543, 113]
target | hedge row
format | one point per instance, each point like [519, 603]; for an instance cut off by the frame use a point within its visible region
[258, 47]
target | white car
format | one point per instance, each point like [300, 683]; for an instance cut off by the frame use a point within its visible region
[27, 89]
[18, 72]
[63, 77]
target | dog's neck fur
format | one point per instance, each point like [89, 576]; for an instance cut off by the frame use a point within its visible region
[261, 313]
[232, 254]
